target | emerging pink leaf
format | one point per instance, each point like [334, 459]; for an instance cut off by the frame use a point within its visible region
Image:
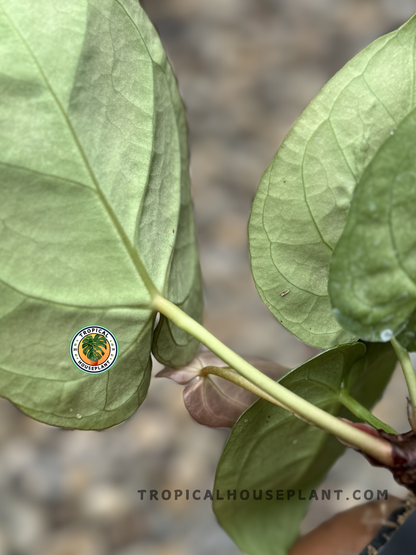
[210, 399]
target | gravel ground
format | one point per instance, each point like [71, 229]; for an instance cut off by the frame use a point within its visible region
[246, 70]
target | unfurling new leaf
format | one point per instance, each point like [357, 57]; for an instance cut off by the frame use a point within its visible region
[210, 399]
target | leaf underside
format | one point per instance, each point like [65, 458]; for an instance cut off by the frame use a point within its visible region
[95, 186]
[270, 449]
[303, 199]
[372, 280]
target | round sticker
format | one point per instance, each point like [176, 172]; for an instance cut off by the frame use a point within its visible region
[94, 349]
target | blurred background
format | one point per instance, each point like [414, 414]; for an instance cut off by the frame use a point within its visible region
[246, 70]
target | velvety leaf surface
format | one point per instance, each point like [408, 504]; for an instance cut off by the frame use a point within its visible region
[93, 183]
[210, 399]
[303, 198]
[373, 270]
[270, 449]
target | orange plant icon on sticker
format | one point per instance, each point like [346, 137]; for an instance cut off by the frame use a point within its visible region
[94, 349]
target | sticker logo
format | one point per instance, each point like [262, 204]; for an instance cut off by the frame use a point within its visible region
[94, 349]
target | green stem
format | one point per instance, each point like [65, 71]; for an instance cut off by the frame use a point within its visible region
[410, 377]
[408, 370]
[362, 413]
[375, 447]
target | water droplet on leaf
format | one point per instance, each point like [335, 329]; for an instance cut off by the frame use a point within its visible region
[386, 335]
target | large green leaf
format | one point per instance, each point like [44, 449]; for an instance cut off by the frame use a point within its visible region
[94, 187]
[304, 196]
[270, 449]
[373, 270]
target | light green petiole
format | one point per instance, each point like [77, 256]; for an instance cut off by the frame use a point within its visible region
[232, 377]
[362, 413]
[375, 447]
